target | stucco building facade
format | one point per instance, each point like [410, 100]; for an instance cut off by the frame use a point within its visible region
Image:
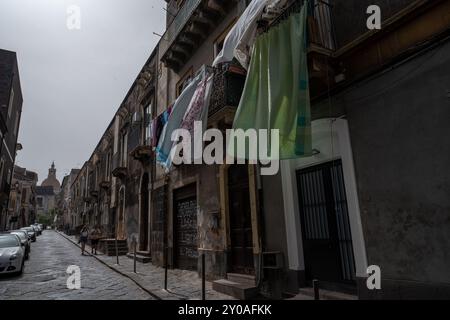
[370, 193]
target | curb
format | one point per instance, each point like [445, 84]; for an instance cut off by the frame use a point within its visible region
[114, 269]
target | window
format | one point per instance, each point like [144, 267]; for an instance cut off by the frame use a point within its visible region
[108, 165]
[124, 148]
[24, 195]
[39, 202]
[11, 100]
[16, 124]
[184, 81]
[148, 123]
[97, 175]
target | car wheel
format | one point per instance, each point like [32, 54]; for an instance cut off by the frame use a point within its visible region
[21, 268]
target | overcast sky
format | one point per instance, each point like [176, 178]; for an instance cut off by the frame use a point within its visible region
[74, 80]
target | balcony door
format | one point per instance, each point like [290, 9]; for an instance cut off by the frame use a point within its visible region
[241, 233]
[327, 238]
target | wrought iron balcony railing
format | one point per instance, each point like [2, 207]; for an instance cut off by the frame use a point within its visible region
[321, 24]
[228, 84]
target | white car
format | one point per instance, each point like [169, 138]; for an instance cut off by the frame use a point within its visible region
[12, 254]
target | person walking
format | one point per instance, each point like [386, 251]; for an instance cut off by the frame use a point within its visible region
[84, 238]
[95, 238]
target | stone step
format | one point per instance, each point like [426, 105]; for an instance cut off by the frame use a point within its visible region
[240, 291]
[144, 253]
[323, 295]
[140, 258]
[242, 278]
[112, 253]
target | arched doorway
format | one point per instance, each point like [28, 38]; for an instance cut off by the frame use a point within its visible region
[143, 219]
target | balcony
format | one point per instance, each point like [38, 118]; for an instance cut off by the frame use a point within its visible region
[94, 193]
[228, 84]
[190, 27]
[119, 170]
[105, 184]
[142, 153]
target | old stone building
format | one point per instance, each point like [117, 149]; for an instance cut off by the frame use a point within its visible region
[47, 192]
[22, 199]
[67, 216]
[371, 192]
[10, 113]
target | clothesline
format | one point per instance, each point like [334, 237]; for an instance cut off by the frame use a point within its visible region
[193, 102]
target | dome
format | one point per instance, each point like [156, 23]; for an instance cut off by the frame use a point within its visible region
[51, 180]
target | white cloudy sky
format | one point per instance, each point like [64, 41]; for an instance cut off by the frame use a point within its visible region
[73, 81]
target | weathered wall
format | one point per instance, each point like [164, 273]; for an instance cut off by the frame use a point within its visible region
[351, 17]
[274, 234]
[211, 237]
[399, 130]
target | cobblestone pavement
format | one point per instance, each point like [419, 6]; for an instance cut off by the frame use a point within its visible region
[45, 275]
[182, 284]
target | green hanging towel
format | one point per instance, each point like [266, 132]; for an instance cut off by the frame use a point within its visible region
[276, 92]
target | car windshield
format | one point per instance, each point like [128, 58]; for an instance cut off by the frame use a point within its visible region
[9, 241]
[20, 234]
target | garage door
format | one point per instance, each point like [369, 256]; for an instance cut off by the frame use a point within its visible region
[185, 228]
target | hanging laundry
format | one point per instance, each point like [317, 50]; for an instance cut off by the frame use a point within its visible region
[240, 39]
[198, 111]
[276, 92]
[158, 125]
[174, 121]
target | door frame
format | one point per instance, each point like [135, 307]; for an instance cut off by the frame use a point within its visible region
[148, 245]
[225, 212]
[323, 131]
[195, 185]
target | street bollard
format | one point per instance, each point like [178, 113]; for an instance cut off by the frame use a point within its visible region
[316, 289]
[117, 251]
[203, 276]
[165, 268]
[134, 253]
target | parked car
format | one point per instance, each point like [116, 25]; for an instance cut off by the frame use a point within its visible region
[40, 225]
[24, 239]
[12, 254]
[30, 232]
[36, 230]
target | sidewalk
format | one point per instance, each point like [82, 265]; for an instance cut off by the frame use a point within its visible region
[182, 284]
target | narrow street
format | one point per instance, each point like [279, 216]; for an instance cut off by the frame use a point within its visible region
[45, 275]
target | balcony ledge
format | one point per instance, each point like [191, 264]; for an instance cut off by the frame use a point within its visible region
[142, 153]
[120, 172]
[105, 184]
